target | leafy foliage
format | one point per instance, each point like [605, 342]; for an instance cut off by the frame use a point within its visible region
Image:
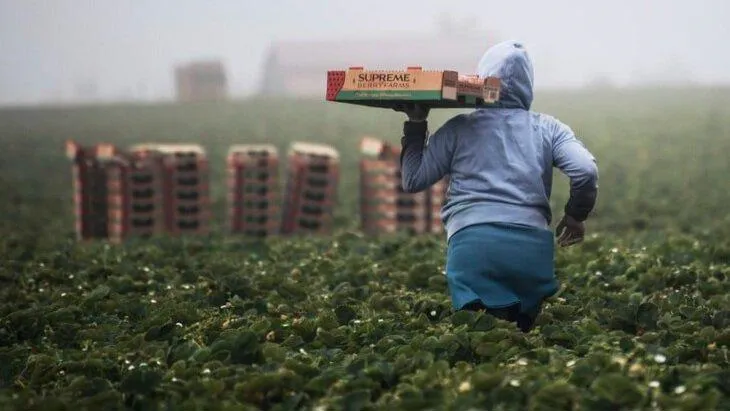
[354, 323]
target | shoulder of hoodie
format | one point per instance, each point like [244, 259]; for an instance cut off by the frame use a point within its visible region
[550, 124]
[547, 123]
[453, 124]
[460, 120]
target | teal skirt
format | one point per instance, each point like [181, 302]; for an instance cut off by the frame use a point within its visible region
[501, 265]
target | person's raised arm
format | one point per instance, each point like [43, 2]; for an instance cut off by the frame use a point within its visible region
[424, 161]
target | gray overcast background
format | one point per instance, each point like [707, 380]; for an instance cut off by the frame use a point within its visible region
[51, 50]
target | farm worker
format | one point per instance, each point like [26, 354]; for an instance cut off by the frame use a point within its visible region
[500, 254]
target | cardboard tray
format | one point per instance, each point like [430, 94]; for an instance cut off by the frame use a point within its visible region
[388, 88]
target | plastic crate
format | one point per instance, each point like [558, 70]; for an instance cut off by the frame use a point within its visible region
[136, 197]
[254, 199]
[384, 206]
[185, 186]
[90, 188]
[311, 190]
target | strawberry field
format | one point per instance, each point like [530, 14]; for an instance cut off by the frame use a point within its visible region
[351, 322]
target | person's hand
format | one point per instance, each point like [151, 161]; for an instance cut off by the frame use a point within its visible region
[414, 111]
[569, 231]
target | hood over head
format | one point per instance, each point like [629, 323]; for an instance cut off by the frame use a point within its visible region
[510, 62]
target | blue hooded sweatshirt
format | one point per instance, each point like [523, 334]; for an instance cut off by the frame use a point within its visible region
[500, 159]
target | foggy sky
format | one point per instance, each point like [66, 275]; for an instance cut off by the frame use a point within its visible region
[50, 48]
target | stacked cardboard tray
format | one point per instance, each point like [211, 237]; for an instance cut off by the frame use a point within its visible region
[254, 200]
[89, 191]
[378, 185]
[136, 196]
[434, 88]
[185, 186]
[155, 189]
[311, 190]
[438, 194]
[384, 206]
[117, 195]
[147, 190]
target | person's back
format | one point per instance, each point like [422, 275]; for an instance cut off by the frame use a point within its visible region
[500, 163]
[501, 159]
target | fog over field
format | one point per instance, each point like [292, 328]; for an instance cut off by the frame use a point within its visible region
[71, 50]
[142, 281]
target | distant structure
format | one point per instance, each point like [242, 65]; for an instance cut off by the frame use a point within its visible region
[299, 68]
[201, 81]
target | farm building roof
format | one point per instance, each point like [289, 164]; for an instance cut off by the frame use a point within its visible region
[202, 65]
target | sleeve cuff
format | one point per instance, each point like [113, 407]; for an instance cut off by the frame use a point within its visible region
[577, 212]
[412, 129]
[576, 216]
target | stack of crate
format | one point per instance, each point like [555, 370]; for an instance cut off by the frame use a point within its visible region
[90, 191]
[384, 207]
[311, 190]
[186, 191]
[254, 203]
[135, 201]
[413, 209]
[378, 185]
[116, 195]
